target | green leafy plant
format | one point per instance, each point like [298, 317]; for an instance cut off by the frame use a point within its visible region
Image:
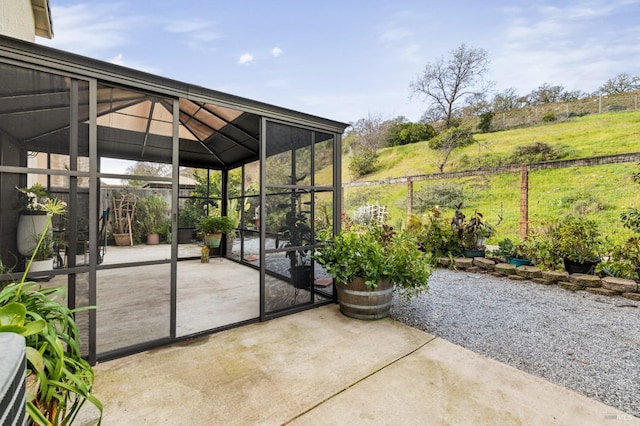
[473, 232]
[215, 225]
[541, 245]
[513, 249]
[59, 380]
[373, 253]
[151, 212]
[577, 239]
[434, 234]
[33, 198]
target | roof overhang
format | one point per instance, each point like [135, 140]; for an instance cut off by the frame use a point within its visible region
[42, 18]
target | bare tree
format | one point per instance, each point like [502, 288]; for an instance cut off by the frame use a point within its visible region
[546, 94]
[370, 135]
[620, 84]
[506, 100]
[446, 83]
[447, 141]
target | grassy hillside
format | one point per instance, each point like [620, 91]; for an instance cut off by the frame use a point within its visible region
[600, 191]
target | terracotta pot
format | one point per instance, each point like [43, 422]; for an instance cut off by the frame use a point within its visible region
[153, 238]
[122, 239]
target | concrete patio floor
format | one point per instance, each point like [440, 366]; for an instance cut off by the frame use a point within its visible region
[320, 367]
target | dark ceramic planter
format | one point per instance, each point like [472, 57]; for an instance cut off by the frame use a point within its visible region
[587, 267]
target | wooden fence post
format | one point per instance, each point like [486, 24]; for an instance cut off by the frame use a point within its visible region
[524, 202]
[409, 197]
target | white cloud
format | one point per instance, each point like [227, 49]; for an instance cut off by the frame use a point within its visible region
[118, 60]
[276, 52]
[245, 58]
[394, 34]
[576, 46]
[89, 30]
[194, 29]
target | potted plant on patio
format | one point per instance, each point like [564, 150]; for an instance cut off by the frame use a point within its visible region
[515, 253]
[124, 212]
[577, 241]
[368, 262]
[151, 212]
[212, 227]
[32, 218]
[59, 380]
[297, 233]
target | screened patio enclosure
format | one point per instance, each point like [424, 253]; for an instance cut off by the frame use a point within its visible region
[135, 155]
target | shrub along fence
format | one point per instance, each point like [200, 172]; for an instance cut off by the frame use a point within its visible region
[522, 195]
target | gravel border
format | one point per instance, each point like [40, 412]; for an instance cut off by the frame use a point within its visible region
[584, 342]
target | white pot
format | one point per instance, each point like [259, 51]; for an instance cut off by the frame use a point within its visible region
[30, 227]
[41, 265]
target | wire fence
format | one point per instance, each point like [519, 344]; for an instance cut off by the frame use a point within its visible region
[517, 197]
[560, 111]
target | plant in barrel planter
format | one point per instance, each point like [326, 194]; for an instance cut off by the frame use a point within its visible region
[577, 241]
[368, 262]
[212, 227]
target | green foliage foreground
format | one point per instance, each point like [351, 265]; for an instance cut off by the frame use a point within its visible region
[59, 380]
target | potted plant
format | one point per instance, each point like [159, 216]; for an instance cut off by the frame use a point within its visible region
[622, 260]
[59, 381]
[124, 212]
[576, 240]
[212, 227]
[32, 218]
[297, 233]
[151, 212]
[515, 253]
[472, 233]
[368, 262]
[435, 234]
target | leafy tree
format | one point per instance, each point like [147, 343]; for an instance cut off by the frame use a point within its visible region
[370, 135]
[620, 84]
[447, 141]
[406, 133]
[363, 162]
[446, 83]
[485, 122]
[146, 168]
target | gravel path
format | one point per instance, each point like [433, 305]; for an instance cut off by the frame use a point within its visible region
[584, 342]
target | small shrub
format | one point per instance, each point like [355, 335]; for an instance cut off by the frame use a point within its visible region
[537, 152]
[549, 117]
[443, 194]
[582, 203]
[363, 162]
[485, 122]
[435, 234]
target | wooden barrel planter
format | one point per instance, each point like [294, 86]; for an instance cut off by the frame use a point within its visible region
[359, 301]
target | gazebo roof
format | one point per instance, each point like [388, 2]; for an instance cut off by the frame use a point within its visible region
[216, 130]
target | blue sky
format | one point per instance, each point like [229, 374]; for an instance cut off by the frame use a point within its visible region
[346, 60]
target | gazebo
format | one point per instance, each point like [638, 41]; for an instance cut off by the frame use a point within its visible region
[90, 132]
